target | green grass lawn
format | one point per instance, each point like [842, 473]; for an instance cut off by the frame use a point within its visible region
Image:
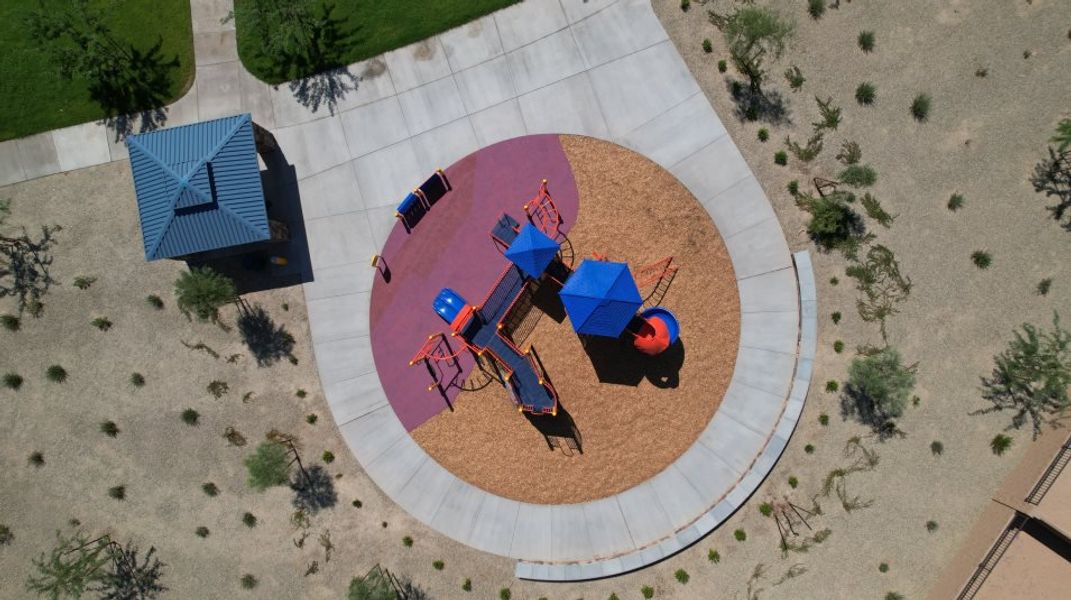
[34, 98]
[365, 29]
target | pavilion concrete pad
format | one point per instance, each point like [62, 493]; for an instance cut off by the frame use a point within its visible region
[602, 68]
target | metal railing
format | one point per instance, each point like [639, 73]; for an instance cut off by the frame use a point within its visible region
[993, 557]
[1050, 475]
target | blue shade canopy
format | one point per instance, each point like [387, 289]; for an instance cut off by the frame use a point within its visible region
[532, 251]
[198, 187]
[601, 298]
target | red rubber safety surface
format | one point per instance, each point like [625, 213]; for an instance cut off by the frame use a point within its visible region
[451, 247]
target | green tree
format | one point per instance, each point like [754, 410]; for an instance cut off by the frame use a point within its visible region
[286, 27]
[1062, 139]
[202, 291]
[268, 466]
[753, 35]
[71, 568]
[833, 224]
[879, 388]
[1031, 376]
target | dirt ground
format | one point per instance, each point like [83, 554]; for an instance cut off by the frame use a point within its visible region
[955, 320]
[635, 414]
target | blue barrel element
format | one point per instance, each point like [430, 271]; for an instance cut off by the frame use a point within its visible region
[448, 304]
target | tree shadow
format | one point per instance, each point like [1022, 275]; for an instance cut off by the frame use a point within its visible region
[314, 489]
[1052, 177]
[134, 94]
[617, 362]
[856, 404]
[750, 105]
[266, 342]
[332, 79]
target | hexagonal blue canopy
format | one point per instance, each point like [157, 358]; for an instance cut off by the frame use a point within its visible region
[532, 251]
[198, 187]
[601, 298]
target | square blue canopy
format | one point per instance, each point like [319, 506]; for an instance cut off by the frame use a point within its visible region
[532, 251]
[601, 298]
[198, 187]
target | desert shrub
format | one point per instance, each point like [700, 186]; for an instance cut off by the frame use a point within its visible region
[920, 107]
[407, 542]
[850, 153]
[816, 8]
[830, 114]
[1043, 286]
[835, 317]
[311, 418]
[249, 519]
[764, 134]
[109, 428]
[894, 596]
[878, 278]
[795, 78]
[981, 72]
[875, 211]
[268, 466]
[83, 283]
[1000, 444]
[753, 35]
[357, 504]
[858, 176]
[955, 202]
[866, 41]
[685, 5]
[722, 66]
[766, 509]
[314, 489]
[883, 567]
[832, 386]
[10, 322]
[981, 259]
[328, 457]
[101, 323]
[823, 419]
[217, 388]
[809, 448]
[681, 576]
[12, 381]
[210, 489]
[780, 158]
[834, 281]
[504, 594]
[56, 374]
[36, 459]
[865, 93]
[713, 556]
[740, 535]
[647, 592]
[793, 482]
[937, 448]
[190, 417]
[793, 187]
[117, 492]
[808, 152]
[833, 224]
[155, 301]
[708, 47]
[137, 379]
[467, 585]
[5, 535]
[201, 531]
[438, 565]
[878, 389]
[202, 291]
[301, 393]
[838, 346]
[248, 581]
[931, 526]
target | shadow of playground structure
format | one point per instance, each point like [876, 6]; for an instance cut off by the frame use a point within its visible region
[616, 361]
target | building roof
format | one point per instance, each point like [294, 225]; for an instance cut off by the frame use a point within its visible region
[198, 187]
[601, 298]
[532, 250]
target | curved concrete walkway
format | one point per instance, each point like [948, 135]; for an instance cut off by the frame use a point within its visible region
[604, 68]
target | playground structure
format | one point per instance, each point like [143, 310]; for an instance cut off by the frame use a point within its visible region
[418, 202]
[534, 252]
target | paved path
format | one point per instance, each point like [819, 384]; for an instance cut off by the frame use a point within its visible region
[604, 68]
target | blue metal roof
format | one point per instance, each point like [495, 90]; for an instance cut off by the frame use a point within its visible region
[532, 251]
[198, 187]
[601, 298]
